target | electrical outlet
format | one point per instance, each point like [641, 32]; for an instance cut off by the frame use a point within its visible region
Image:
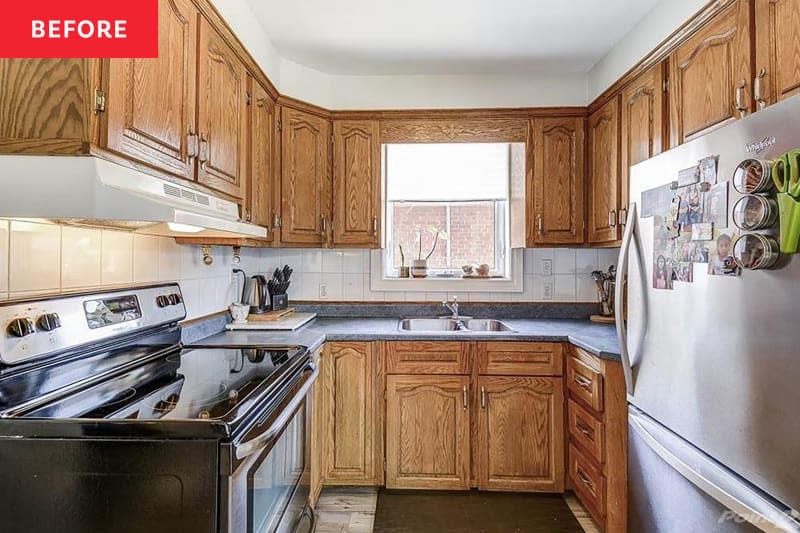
[547, 267]
[323, 290]
[547, 292]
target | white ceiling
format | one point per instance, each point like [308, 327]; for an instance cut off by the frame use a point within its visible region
[372, 37]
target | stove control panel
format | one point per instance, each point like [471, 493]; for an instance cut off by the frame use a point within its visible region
[31, 329]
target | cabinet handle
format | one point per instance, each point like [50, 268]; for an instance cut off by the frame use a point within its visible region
[586, 481]
[483, 397]
[323, 226]
[612, 218]
[757, 89]
[203, 150]
[539, 227]
[739, 98]
[374, 225]
[622, 216]
[583, 382]
[247, 215]
[464, 392]
[583, 429]
[191, 144]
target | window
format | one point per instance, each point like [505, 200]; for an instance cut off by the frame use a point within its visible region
[459, 191]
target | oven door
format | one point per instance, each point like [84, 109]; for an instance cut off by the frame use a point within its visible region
[269, 490]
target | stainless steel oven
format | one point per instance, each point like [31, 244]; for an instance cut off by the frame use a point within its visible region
[270, 483]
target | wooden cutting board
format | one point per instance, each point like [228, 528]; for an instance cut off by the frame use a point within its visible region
[287, 323]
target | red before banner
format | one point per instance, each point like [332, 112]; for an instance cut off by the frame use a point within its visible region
[79, 28]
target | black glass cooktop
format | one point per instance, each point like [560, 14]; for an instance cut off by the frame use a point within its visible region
[201, 383]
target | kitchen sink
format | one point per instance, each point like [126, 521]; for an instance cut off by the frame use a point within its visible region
[430, 324]
[482, 324]
[449, 324]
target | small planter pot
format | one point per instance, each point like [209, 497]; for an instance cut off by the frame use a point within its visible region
[419, 268]
[404, 272]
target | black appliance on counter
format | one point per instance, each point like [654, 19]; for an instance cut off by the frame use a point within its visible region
[107, 423]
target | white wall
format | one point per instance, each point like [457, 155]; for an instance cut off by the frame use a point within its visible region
[666, 17]
[251, 33]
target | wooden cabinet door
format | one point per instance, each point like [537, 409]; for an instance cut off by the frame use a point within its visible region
[427, 432]
[644, 121]
[604, 173]
[356, 183]
[261, 189]
[222, 110]
[150, 109]
[777, 50]
[708, 71]
[348, 398]
[557, 181]
[521, 434]
[305, 178]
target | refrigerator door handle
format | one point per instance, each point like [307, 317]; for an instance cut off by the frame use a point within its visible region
[622, 269]
[713, 479]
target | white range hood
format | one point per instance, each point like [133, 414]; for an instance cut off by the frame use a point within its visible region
[90, 191]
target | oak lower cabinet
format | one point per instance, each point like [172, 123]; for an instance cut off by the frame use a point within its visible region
[556, 181]
[356, 183]
[777, 74]
[711, 75]
[486, 415]
[604, 180]
[597, 426]
[520, 435]
[351, 453]
[427, 432]
[305, 178]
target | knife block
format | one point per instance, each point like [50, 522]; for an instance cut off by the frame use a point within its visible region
[279, 302]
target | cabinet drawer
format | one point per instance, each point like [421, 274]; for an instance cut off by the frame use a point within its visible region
[586, 430]
[588, 482]
[520, 358]
[421, 357]
[585, 384]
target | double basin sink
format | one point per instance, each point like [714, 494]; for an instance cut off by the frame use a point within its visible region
[451, 324]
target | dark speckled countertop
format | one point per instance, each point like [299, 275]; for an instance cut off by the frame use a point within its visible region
[599, 339]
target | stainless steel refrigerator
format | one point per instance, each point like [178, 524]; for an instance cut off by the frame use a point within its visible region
[713, 365]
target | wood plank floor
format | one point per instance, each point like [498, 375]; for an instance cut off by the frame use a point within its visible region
[352, 510]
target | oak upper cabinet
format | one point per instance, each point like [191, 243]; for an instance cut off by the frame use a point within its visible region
[348, 408]
[521, 443]
[643, 127]
[777, 74]
[305, 178]
[150, 109]
[261, 188]
[711, 75]
[556, 181]
[221, 115]
[356, 183]
[427, 432]
[604, 181]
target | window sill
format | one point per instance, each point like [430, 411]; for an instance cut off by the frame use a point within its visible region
[378, 282]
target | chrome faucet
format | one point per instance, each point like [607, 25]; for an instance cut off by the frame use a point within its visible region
[452, 307]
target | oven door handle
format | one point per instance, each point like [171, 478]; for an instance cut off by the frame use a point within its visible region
[256, 443]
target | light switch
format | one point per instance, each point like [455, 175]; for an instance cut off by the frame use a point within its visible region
[547, 292]
[323, 290]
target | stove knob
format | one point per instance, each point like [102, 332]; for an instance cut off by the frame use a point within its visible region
[162, 301]
[49, 322]
[21, 327]
[175, 299]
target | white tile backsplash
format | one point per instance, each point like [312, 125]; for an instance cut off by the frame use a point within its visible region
[341, 269]
[38, 259]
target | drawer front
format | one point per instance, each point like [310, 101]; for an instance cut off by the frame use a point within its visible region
[586, 430]
[425, 357]
[520, 358]
[588, 482]
[585, 384]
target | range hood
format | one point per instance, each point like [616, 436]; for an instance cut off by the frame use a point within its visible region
[90, 191]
